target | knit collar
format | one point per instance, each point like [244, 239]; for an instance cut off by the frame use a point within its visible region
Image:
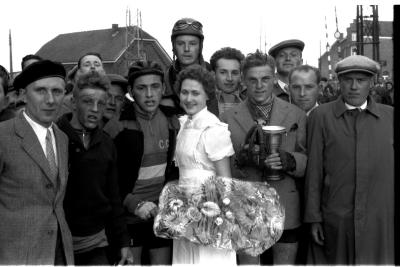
[144, 115]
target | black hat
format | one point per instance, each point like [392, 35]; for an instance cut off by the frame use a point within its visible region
[273, 51]
[39, 70]
[357, 63]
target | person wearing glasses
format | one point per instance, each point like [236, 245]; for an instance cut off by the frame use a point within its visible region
[187, 46]
[287, 55]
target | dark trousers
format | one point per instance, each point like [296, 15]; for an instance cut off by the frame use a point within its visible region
[97, 256]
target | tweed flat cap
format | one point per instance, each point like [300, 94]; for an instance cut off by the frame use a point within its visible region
[39, 70]
[273, 51]
[357, 63]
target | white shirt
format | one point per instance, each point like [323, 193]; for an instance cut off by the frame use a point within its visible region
[283, 85]
[41, 133]
[316, 105]
[362, 107]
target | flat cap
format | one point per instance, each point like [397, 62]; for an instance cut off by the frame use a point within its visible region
[39, 70]
[273, 51]
[357, 63]
[118, 79]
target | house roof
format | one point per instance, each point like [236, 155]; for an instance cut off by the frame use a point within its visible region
[109, 43]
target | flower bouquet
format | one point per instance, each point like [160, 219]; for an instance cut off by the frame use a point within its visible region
[223, 213]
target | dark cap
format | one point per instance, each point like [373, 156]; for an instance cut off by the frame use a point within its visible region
[187, 26]
[119, 80]
[273, 51]
[357, 63]
[39, 70]
[144, 67]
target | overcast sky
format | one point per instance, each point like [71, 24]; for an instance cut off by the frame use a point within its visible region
[234, 23]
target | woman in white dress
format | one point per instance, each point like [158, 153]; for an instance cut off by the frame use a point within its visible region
[203, 150]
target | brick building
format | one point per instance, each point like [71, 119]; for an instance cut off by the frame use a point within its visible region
[346, 46]
[118, 46]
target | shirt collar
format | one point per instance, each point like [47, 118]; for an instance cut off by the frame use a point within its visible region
[340, 107]
[199, 114]
[362, 107]
[283, 86]
[36, 126]
[316, 105]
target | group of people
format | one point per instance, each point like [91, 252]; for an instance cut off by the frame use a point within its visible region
[83, 165]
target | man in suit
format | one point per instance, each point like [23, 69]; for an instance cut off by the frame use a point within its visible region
[33, 173]
[258, 72]
[287, 55]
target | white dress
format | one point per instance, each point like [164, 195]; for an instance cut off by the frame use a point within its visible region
[200, 141]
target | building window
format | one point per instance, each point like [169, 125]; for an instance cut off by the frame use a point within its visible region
[354, 36]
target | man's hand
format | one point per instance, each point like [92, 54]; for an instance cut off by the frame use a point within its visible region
[126, 256]
[145, 211]
[317, 233]
[273, 162]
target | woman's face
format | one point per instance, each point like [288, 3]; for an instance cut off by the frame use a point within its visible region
[192, 96]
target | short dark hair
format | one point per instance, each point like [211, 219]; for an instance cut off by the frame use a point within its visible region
[5, 78]
[306, 68]
[144, 67]
[89, 54]
[92, 79]
[257, 59]
[324, 79]
[29, 57]
[199, 74]
[226, 53]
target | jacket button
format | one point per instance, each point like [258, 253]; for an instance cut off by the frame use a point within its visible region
[49, 186]
[50, 232]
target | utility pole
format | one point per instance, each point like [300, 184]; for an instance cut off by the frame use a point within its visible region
[11, 58]
[368, 31]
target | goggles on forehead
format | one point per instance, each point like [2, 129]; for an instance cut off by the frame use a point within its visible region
[184, 24]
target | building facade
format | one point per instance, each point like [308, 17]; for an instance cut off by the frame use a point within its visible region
[347, 46]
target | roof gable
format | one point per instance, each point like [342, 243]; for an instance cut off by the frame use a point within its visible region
[109, 43]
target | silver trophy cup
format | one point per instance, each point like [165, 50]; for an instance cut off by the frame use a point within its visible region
[273, 138]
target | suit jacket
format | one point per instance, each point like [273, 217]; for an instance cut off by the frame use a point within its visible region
[31, 201]
[293, 119]
[279, 92]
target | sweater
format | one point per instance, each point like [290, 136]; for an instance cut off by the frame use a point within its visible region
[92, 199]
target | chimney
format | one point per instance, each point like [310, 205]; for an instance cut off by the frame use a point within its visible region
[114, 27]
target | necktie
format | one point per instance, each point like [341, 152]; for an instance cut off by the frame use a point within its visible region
[51, 158]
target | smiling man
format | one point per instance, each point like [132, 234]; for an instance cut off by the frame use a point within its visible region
[225, 64]
[33, 173]
[261, 105]
[349, 188]
[287, 55]
[304, 87]
[92, 199]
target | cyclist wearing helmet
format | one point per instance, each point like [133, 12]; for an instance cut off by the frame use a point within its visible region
[187, 46]
[145, 142]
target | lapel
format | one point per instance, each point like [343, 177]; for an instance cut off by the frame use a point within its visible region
[280, 110]
[62, 153]
[243, 117]
[30, 143]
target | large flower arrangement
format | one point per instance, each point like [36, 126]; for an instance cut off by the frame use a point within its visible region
[223, 213]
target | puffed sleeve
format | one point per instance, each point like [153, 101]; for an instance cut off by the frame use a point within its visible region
[217, 142]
